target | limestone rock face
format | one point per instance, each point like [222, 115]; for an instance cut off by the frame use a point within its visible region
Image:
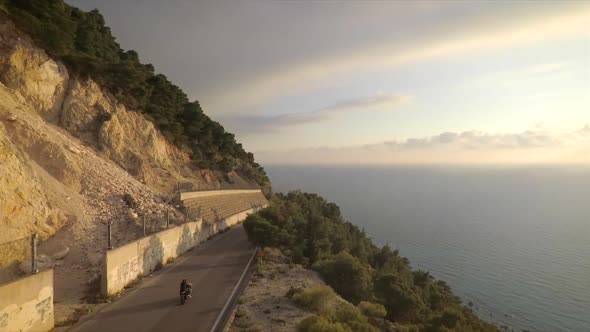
[124, 136]
[74, 160]
[119, 138]
[87, 112]
[30, 72]
[24, 207]
[69, 152]
[85, 109]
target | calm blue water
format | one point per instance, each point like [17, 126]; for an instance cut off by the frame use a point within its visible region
[515, 241]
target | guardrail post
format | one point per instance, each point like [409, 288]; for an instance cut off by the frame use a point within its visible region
[34, 253]
[109, 233]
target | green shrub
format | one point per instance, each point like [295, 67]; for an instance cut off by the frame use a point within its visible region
[347, 275]
[260, 231]
[402, 301]
[317, 298]
[351, 316]
[241, 319]
[406, 328]
[315, 323]
[449, 319]
[293, 290]
[373, 310]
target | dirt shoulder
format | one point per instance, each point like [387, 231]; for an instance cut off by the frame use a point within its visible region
[264, 306]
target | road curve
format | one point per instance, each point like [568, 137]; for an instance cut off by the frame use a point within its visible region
[213, 269]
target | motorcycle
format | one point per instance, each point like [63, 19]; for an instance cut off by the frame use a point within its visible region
[184, 296]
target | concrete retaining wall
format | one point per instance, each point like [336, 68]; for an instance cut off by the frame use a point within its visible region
[232, 220]
[27, 304]
[207, 193]
[127, 263]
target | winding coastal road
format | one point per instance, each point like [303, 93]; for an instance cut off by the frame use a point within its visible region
[214, 269]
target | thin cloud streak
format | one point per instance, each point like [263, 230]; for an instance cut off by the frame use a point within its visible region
[476, 140]
[267, 123]
[450, 147]
[376, 101]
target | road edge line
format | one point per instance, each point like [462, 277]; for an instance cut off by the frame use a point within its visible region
[233, 293]
[167, 268]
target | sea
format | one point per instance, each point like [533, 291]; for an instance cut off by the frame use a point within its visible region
[513, 241]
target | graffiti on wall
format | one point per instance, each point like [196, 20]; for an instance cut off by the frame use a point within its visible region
[44, 308]
[4, 320]
[30, 315]
[127, 271]
[158, 248]
[153, 254]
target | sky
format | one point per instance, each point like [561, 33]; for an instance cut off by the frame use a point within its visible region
[376, 82]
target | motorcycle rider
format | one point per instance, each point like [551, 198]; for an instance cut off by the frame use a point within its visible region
[187, 287]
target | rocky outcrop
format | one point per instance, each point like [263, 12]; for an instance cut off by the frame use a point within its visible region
[124, 136]
[84, 110]
[92, 115]
[119, 136]
[30, 73]
[73, 159]
[69, 152]
[24, 207]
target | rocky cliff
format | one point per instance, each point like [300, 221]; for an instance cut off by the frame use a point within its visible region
[71, 155]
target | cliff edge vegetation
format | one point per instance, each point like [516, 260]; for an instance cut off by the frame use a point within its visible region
[311, 231]
[282, 296]
[85, 44]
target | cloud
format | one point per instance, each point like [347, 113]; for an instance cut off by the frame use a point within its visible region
[376, 101]
[496, 33]
[533, 146]
[474, 140]
[584, 131]
[267, 123]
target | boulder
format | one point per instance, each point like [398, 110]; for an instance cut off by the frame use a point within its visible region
[61, 254]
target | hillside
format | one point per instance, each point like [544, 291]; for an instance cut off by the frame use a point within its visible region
[282, 297]
[59, 105]
[76, 155]
[53, 120]
[86, 47]
[312, 232]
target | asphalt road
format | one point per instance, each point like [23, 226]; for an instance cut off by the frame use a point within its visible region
[213, 269]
